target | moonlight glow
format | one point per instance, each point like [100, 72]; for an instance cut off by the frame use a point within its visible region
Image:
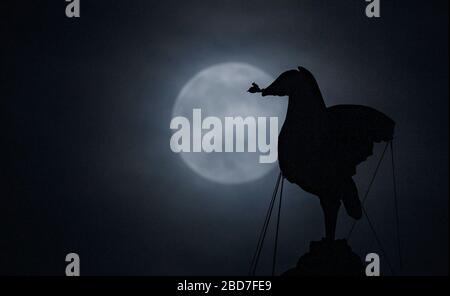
[221, 91]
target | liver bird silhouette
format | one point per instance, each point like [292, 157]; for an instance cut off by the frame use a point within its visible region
[319, 147]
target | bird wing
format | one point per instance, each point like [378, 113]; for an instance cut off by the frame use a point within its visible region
[354, 130]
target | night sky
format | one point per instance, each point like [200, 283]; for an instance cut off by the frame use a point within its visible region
[85, 110]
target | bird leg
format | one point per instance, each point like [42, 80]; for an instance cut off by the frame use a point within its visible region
[330, 207]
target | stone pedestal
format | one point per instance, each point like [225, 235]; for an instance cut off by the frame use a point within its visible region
[328, 259]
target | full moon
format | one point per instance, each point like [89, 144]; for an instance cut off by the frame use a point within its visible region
[220, 91]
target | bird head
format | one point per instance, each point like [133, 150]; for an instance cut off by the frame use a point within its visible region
[284, 85]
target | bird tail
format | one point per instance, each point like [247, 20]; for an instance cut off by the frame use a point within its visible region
[350, 199]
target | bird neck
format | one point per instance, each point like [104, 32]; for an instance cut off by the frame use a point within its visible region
[304, 107]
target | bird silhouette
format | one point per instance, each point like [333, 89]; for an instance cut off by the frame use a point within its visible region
[319, 147]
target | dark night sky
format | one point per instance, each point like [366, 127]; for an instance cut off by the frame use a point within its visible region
[86, 105]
